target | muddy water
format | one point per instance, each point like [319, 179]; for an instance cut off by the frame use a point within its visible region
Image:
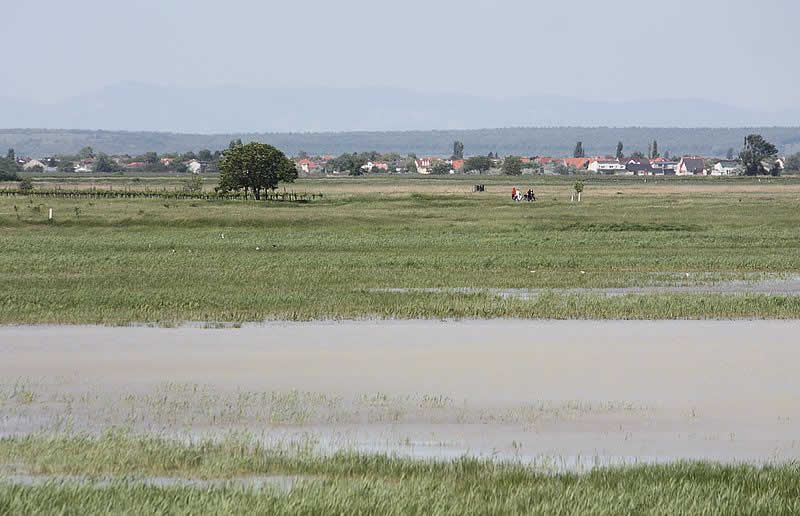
[570, 393]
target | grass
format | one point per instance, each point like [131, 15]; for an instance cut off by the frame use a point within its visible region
[147, 260]
[369, 484]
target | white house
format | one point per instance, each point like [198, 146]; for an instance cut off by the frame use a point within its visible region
[604, 166]
[423, 165]
[379, 165]
[662, 166]
[33, 163]
[726, 167]
[194, 166]
[691, 166]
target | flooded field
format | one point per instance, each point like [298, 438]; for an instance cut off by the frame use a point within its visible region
[569, 394]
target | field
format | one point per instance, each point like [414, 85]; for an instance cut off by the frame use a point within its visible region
[402, 248]
[253, 357]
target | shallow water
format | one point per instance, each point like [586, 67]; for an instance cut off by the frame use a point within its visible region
[774, 287]
[573, 394]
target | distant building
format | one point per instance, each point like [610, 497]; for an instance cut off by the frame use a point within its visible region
[457, 164]
[579, 163]
[194, 166]
[638, 166]
[663, 166]
[424, 165]
[33, 164]
[307, 166]
[370, 166]
[725, 167]
[606, 166]
[690, 166]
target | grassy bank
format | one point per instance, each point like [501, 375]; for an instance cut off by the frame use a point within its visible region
[358, 484]
[166, 261]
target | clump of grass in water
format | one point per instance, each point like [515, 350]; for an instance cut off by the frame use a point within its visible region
[353, 483]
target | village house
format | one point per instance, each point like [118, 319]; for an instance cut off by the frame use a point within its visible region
[457, 164]
[638, 166]
[725, 167]
[370, 166]
[32, 164]
[663, 166]
[691, 166]
[194, 166]
[307, 166]
[579, 163]
[606, 166]
[423, 165]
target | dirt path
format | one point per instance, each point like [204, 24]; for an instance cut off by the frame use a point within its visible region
[570, 393]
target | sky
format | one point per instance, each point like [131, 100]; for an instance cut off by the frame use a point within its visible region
[736, 52]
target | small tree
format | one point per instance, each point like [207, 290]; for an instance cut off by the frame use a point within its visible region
[756, 150]
[512, 166]
[440, 168]
[578, 189]
[193, 185]
[793, 162]
[578, 152]
[255, 167]
[730, 153]
[654, 151]
[11, 155]
[26, 185]
[620, 155]
[204, 155]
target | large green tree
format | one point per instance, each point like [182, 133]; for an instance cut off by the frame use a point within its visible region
[479, 163]
[512, 166]
[105, 164]
[440, 168]
[8, 169]
[255, 167]
[756, 151]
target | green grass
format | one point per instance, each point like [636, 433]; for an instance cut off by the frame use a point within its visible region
[367, 484]
[122, 261]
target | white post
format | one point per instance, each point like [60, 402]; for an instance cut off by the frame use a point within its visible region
[579, 197]
[571, 197]
[50, 214]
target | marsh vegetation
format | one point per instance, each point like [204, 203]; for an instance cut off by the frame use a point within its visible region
[149, 260]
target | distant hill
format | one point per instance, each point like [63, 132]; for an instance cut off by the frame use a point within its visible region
[558, 141]
[231, 109]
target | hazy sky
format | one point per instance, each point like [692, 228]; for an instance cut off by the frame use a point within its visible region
[733, 51]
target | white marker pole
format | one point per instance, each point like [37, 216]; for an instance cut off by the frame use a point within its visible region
[50, 214]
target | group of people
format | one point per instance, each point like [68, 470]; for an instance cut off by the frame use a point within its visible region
[517, 195]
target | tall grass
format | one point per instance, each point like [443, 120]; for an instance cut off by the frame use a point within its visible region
[120, 261]
[359, 484]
